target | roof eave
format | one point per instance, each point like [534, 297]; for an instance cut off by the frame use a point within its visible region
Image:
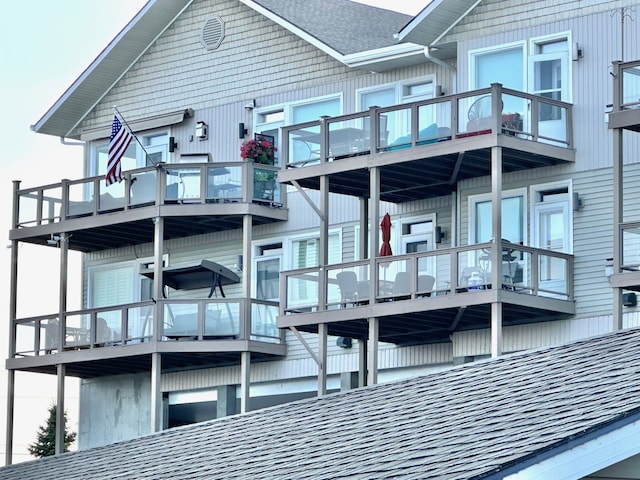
[435, 21]
[109, 66]
[382, 59]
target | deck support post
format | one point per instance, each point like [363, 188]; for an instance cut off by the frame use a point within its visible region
[372, 353]
[496, 251]
[245, 381]
[322, 354]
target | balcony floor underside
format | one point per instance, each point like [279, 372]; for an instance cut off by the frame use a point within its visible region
[418, 178]
[78, 366]
[432, 326]
[120, 229]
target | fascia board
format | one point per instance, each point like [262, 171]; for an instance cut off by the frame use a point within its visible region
[598, 452]
[93, 68]
[361, 59]
[293, 29]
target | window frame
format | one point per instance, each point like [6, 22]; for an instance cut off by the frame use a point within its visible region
[473, 200]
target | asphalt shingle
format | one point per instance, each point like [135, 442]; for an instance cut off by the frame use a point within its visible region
[465, 422]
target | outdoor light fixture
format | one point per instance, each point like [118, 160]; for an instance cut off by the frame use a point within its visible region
[577, 202]
[344, 342]
[251, 105]
[440, 234]
[54, 241]
[172, 144]
[201, 130]
[241, 131]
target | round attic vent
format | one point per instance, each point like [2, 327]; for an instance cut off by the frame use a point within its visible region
[212, 33]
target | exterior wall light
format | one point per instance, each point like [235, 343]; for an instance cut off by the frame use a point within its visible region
[201, 130]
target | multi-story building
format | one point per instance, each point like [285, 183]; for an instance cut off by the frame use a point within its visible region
[215, 285]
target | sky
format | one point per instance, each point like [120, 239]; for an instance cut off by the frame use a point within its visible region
[44, 46]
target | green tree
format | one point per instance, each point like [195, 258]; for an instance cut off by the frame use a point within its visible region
[45, 444]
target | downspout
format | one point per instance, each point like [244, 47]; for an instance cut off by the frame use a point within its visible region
[437, 61]
[73, 144]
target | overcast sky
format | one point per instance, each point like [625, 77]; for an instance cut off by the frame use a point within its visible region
[44, 46]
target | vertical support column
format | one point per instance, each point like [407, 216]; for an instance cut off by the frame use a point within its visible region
[225, 401]
[364, 226]
[62, 302]
[158, 293]
[362, 363]
[374, 220]
[156, 392]
[245, 381]
[158, 284]
[246, 321]
[60, 426]
[13, 299]
[323, 247]
[372, 354]
[247, 235]
[618, 219]
[322, 356]
[496, 252]
[11, 384]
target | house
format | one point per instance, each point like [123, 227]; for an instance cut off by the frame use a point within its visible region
[577, 417]
[212, 289]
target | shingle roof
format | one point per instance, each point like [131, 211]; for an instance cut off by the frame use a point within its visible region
[465, 422]
[347, 27]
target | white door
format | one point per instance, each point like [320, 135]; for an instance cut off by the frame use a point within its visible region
[551, 232]
[548, 77]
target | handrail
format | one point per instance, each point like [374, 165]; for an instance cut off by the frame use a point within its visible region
[445, 263]
[91, 196]
[135, 329]
[442, 110]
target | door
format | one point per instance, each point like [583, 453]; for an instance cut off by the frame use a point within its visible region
[548, 77]
[551, 232]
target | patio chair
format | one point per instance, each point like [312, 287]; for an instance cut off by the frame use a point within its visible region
[348, 285]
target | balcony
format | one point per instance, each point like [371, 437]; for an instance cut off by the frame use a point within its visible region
[626, 96]
[194, 198]
[120, 339]
[424, 297]
[450, 137]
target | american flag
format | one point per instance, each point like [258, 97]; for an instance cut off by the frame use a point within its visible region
[119, 141]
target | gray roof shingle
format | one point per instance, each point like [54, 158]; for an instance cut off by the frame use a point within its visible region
[345, 26]
[466, 422]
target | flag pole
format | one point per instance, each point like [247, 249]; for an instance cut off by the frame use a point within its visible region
[124, 122]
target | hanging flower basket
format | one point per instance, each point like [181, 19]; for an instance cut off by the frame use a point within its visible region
[259, 150]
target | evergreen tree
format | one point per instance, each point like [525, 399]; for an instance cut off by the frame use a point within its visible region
[45, 444]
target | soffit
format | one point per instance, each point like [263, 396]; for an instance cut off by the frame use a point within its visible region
[108, 67]
[434, 20]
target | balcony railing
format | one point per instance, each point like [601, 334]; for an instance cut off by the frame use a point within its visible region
[627, 76]
[452, 271]
[184, 320]
[489, 110]
[165, 184]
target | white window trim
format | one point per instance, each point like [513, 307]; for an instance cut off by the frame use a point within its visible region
[483, 197]
[399, 87]
[557, 37]
[494, 49]
[288, 245]
[111, 266]
[399, 243]
[535, 189]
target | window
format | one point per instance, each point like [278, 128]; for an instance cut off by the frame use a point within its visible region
[305, 251]
[269, 120]
[552, 217]
[112, 285]
[267, 266]
[417, 235]
[513, 217]
[398, 123]
[156, 149]
[542, 69]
